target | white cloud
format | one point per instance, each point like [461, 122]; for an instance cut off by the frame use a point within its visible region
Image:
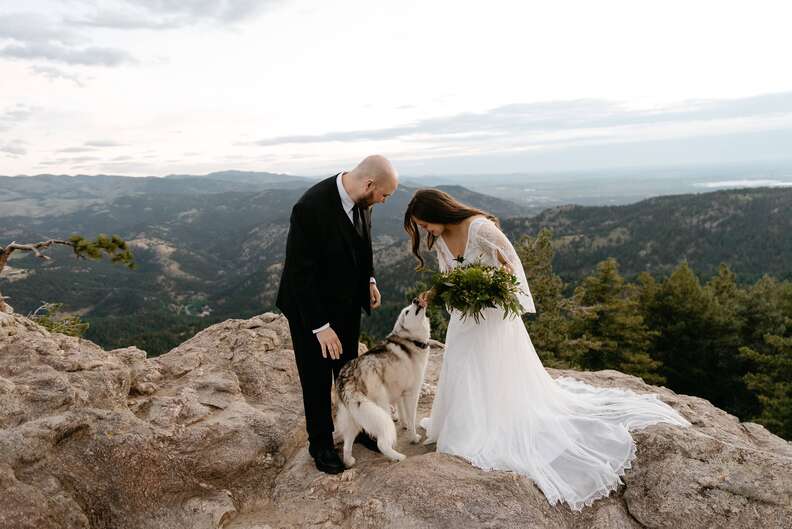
[88, 56]
[55, 34]
[103, 143]
[38, 36]
[54, 73]
[168, 14]
[578, 115]
[75, 149]
[304, 85]
[14, 115]
[36, 27]
[13, 148]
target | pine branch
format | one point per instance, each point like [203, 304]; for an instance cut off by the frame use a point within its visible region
[114, 246]
[6, 251]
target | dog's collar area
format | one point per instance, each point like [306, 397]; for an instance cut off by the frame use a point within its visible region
[419, 343]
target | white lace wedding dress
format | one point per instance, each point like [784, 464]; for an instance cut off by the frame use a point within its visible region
[497, 406]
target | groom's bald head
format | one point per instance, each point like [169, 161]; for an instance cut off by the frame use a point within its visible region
[376, 179]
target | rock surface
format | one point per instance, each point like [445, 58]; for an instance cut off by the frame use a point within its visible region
[211, 435]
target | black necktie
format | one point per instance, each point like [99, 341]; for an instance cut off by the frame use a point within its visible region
[356, 220]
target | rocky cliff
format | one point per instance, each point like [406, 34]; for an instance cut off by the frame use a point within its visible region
[211, 435]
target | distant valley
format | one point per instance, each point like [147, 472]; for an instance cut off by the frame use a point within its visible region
[210, 247]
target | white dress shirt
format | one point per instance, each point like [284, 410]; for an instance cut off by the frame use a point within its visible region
[348, 204]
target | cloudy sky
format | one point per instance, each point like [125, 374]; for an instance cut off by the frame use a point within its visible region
[152, 87]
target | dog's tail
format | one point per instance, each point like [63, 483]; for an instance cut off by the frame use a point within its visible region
[374, 420]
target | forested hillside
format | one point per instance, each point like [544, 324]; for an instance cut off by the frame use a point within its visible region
[750, 229]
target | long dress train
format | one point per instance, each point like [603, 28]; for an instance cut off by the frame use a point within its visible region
[497, 407]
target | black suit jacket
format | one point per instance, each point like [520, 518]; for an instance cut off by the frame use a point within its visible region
[328, 265]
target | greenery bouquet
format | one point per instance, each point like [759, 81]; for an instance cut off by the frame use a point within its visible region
[471, 288]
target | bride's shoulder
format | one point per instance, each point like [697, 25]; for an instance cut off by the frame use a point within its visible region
[477, 221]
[484, 224]
[489, 230]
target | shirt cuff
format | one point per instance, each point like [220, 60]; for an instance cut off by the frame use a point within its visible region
[323, 327]
[372, 280]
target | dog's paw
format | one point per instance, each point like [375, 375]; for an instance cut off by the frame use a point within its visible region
[349, 462]
[414, 438]
[399, 457]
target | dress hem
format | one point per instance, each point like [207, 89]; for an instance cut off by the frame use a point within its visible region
[575, 505]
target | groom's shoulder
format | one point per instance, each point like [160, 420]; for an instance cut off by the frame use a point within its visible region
[318, 192]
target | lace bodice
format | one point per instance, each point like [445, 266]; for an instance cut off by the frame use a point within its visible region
[484, 241]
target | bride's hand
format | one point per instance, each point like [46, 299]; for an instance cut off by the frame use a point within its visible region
[504, 263]
[426, 296]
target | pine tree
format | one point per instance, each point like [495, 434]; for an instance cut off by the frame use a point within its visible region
[772, 382]
[766, 315]
[647, 291]
[698, 338]
[550, 328]
[50, 317]
[678, 311]
[762, 311]
[724, 286]
[615, 326]
[728, 300]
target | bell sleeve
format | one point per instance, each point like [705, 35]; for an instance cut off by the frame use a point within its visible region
[493, 241]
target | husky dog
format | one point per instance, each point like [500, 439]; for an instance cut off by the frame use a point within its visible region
[391, 372]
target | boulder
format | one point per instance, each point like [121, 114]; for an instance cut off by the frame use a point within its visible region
[212, 435]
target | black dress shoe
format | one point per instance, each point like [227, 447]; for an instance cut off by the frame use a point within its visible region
[366, 440]
[327, 461]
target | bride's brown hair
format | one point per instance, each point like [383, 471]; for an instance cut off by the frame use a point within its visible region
[436, 207]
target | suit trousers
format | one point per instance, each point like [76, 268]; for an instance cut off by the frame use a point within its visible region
[318, 373]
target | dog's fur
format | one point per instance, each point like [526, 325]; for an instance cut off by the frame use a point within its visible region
[391, 372]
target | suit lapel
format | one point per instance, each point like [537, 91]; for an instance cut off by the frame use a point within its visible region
[347, 230]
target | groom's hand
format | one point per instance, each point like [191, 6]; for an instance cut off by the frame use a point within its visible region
[376, 299]
[330, 343]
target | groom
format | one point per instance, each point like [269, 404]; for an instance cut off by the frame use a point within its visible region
[328, 276]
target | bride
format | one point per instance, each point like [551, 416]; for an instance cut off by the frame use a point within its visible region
[496, 406]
